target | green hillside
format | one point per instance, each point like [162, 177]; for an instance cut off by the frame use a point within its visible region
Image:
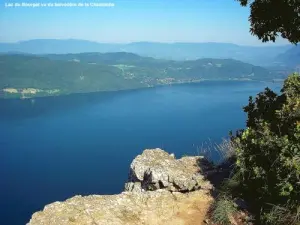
[30, 75]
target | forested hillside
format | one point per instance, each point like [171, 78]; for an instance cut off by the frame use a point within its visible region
[30, 75]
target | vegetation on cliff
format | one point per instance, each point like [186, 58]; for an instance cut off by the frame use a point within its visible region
[266, 160]
[266, 168]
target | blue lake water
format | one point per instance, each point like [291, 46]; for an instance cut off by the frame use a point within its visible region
[54, 148]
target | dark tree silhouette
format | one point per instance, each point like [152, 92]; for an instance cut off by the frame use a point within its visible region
[270, 18]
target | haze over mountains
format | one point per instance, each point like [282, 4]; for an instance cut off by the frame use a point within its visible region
[55, 67]
[291, 57]
[265, 55]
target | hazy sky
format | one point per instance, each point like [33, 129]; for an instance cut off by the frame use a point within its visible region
[129, 21]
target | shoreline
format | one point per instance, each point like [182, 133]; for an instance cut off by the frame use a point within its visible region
[123, 90]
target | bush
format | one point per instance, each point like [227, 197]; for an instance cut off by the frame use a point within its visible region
[268, 151]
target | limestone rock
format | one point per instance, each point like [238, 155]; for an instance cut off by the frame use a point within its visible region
[133, 187]
[159, 207]
[156, 169]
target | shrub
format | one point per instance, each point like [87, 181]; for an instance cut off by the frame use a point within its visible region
[268, 150]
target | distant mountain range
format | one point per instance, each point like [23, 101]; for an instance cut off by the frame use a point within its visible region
[291, 57]
[172, 51]
[23, 76]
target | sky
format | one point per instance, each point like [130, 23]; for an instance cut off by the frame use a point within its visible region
[129, 21]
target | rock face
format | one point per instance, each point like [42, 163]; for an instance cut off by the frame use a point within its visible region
[156, 169]
[161, 190]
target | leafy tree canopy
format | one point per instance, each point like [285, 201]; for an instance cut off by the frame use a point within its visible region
[269, 18]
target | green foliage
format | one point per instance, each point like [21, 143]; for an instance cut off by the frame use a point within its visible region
[223, 209]
[231, 186]
[272, 17]
[268, 150]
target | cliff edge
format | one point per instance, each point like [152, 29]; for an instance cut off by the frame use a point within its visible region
[160, 190]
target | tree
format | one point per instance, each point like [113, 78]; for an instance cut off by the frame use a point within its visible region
[269, 18]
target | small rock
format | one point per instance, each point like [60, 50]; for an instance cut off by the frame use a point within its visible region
[206, 221]
[133, 187]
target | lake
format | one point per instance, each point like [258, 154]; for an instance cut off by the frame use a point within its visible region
[56, 147]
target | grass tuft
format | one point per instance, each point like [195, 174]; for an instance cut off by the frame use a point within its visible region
[283, 215]
[223, 210]
[225, 151]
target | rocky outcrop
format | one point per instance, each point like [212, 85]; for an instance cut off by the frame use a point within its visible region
[156, 169]
[160, 190]
[130, 208]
